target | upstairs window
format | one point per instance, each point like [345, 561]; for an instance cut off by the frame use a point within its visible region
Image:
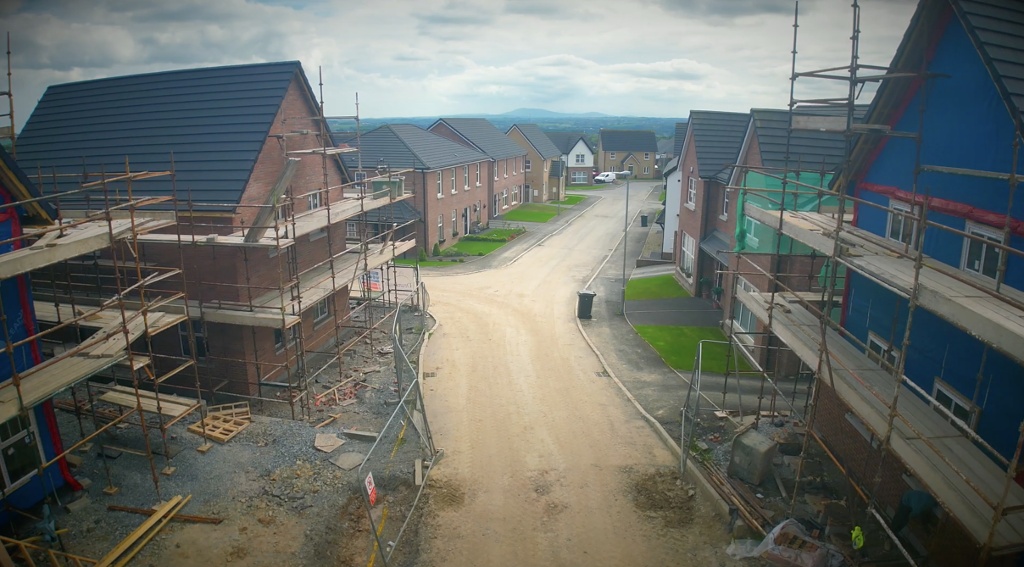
[454, 190]
[440, 185]
[882, 352]
[322, 309]
[465, 177]
[900, 227]
[477, 174]
[961, 408]
[691, 192]
[315, 200]
[581, 159]
[528, 166]
[979, 256]
[611, 155]
[360, 179]
[647, 156]
[725, 203]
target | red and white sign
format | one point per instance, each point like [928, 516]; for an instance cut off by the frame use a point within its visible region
[371, 489]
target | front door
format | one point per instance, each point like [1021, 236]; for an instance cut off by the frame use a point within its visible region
[465, 220]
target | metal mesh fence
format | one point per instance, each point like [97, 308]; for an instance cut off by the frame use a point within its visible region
[395, 470]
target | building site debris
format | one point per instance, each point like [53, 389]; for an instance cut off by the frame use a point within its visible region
[130, 546]
[176, 517]
[360, 435]
[223, 422]
[788, 545]
[327, 442]
[349, 460]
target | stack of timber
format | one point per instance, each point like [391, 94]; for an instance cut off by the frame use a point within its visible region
[130, 546]
[223, 422]
[174, 407]
[752, 514]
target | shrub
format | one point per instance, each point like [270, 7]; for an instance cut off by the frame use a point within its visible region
[437, 249]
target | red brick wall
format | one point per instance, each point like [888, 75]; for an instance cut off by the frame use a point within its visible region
[690, 220]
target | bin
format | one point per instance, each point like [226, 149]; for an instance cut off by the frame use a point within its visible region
[643, 220]
[584, 303]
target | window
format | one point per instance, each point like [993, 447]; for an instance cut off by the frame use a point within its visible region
[515, 165]
[505, 165]
[750, 227]
[19, 449]
[200, 337]
[688, 247]
[351, 231]
[440, 186]
[465, 177]
[515, 194]
[611, 155]
[321, 310]
[581, 159]
[742, 316]
[979, 256]
[455, 222]
[504, 199]
[961, 408]
[314, 200]
[647, 156]
[495, 163]
[528, 166]
[647, 169]
[725, 203]
[578, 177]
[454, 190]
[691, 193]
[292, 333]
[880, 351]
[477, 174]
[901, 228]
[360, 179]
[440, 228]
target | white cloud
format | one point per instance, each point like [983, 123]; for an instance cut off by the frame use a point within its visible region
[438, 57]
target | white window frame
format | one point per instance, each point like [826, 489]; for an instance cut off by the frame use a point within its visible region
[495, 162]
[956, 400]
[691, 193]
[647, 169]
[351, 230]
[360, 178]
[989, 235]
[440, 228]
[749, 224]
[687, 261]
[31, 432]
[465, 178]
[440, 184]
[315, 200]
[504, 199]
[477, 174]
[611, 155]
[647, 156]
[321, 309]
[742, 317]
[578, 177]
[876, 348]
[455, 223]
[581, 159]
[900, 220]
[291, 335]
[454, 190]
[528, 165]
[725, 204]
[505, 166]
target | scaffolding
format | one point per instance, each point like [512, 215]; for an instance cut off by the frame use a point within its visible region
[911, 430]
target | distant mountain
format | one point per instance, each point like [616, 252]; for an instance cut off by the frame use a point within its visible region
[542, 113]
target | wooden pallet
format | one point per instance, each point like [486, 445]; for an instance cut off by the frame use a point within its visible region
[223, 422]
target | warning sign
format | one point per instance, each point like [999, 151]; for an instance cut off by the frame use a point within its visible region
[371, 489]
[373, 281]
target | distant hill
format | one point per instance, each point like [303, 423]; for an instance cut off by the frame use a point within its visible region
[588, 123]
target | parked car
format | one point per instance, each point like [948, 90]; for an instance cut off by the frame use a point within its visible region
[606, 177]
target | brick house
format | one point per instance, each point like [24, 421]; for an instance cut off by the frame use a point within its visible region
[628, 150]
[505, 185]
[261, 197]
[449, 180]
[577, 155]
[711, 146]
[542, 184]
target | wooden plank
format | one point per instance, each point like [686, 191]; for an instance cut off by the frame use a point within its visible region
[167, 508]
[176, 518]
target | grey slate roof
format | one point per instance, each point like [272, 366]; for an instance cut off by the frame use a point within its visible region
[214, 121]
[808, 150]
[718, 137]
[565, 141]
[404, 146]
[628, 141]
[484, 136]
[680, 136]
[538, 139]
[666, 146]
[671, 166]
[997, 29]
[557, 168]
[401, 212]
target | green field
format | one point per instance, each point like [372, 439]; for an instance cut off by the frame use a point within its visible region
[531, 212]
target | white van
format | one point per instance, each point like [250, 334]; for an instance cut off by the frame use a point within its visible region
[606, 177]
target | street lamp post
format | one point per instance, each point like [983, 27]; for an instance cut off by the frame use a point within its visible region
[625, 228]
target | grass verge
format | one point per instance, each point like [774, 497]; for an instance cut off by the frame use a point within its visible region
[530, 212]
[677, 346]
[656, 287]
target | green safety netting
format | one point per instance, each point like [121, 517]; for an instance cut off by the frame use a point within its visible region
[766, 193]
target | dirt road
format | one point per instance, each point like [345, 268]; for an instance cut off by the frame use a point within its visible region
[546, 462]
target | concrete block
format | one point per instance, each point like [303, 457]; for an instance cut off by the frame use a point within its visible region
[752, 456]
[77, 505]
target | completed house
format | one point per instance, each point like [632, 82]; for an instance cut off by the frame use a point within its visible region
[506, 183]
[263, 202]
[541, 183]
[628, 150]
[449, 180]
[577, 155]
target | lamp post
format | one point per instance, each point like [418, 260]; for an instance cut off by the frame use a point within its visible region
[625, 228]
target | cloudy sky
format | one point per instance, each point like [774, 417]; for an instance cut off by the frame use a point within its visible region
[443, 57]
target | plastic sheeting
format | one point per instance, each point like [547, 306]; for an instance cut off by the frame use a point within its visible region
[787, 545]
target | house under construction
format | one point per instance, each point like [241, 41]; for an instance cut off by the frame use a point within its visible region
[277, 264]
[914, 333]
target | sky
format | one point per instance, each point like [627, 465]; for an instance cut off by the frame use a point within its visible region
[657, 58]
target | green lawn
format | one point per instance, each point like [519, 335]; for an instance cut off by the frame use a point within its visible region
[657, 287]
[531, 212]
[677, 346]
[570, 200]
[475, 248]
[425, 264]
